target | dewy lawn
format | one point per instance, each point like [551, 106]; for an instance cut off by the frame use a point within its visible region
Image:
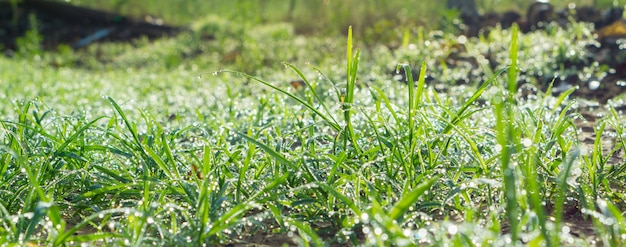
[268, 137]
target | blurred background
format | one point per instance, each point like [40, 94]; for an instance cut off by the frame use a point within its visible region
[374, 21]
[253, 35]
[325, 16]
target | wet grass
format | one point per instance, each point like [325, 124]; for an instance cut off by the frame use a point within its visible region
[147, 145]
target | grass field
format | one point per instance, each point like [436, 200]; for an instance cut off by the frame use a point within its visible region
[272, 134]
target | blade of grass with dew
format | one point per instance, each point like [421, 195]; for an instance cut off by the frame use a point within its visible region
[385, 99]
[307, 234]
[347, 101]
[312, 90]
[206, 202]
[339, 159]
[620, 143]
[280, 158]
[415, 97]
[562, 178]
[512, 71]
[244, 169]
[595, 161]
[379, 138]
[533, 187]
[112, 173]
[328, 119]
[421, 84]
[74, 136]
[562, 98]
[338, 92]
[460, 113]
[67, 235]
[393, 146]
[562, 124]
[473, 147]
[398, 210]
[132, 130]
[37, 215]
[173, 173]
[505, 116]
[508, 173]
[147, 160]
[228, 219]
[408, 167]
[207, 155]
[348, 202]
[161, 163]
[129, 188]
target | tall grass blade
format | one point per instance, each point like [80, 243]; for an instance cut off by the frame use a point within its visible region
[513, 53]
[411, 117]
[130, 127]
[562, 179]
[534, 187]
[348, 100]
[506, 136]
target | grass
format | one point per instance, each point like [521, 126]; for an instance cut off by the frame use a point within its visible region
[145, 145]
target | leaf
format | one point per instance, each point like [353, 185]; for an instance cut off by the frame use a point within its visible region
[410, 198]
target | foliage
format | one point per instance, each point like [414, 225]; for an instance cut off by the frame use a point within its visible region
[144, 145]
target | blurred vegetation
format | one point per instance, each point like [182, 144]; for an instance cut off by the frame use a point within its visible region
[373, 20]
[313, 15]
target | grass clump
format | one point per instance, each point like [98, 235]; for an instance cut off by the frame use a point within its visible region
[167, 155]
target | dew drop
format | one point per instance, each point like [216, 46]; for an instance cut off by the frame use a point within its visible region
[527, 142]
[453, 229]
[594, 85]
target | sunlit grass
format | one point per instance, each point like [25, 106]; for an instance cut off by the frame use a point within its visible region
[151, 150]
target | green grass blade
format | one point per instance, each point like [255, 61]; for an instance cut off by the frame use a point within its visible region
[132, 130]
[308, 235]
[348, 100]
[68, 234]
[421, 84]
[562, 178]
[329, 120]
[460, 113]
[312, 90]
[77, 133]
[278, 157]
[230, 217]
[410, 198]
[513, 54]
[348, 202]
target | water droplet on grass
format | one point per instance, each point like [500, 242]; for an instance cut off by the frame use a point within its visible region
[594, 85]
[527, 142]
[453, 229]
[421, 233]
